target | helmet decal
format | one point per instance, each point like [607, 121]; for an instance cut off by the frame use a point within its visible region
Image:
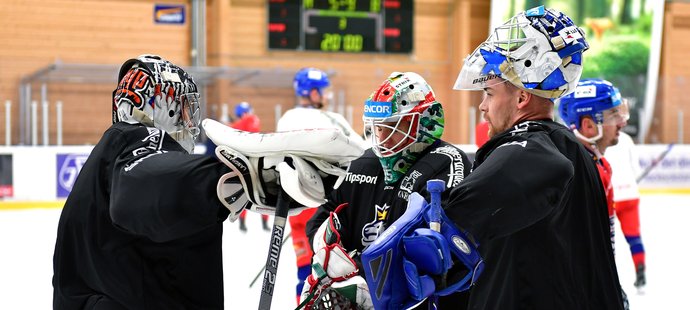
[133, 88]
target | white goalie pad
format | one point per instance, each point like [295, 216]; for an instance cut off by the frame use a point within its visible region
[327, 144]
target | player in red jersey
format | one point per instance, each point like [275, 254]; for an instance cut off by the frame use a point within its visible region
[596, 114]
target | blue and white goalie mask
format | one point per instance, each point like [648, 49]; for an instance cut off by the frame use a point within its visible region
[539, 50]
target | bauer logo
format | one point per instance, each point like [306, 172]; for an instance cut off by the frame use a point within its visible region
[68, 168]
[169, 14]
[377, 109]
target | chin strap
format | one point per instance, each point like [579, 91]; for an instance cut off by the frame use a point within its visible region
[592, 140]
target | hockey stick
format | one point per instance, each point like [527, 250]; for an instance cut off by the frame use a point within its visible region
[435, 188]
[258, 274]
[271, 269]
[654, 163]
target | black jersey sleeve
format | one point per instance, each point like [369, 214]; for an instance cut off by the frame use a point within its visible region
[517, 185]
[164, 194]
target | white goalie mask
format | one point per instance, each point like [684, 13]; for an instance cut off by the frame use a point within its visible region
[155, 92]
[539, 50]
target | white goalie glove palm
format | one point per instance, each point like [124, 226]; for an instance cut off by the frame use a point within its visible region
[334, 277]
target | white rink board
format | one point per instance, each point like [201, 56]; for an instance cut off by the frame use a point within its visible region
[28, 163]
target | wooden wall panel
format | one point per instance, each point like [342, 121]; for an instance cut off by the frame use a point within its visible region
[37, 33]
[674, 77]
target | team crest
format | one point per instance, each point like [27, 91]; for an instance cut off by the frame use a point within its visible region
[373, 229]
[407, 184]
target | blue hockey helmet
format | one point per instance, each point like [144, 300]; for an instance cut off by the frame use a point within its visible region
[242, 108]
[595, 98]
[538, 50]
[307, 79]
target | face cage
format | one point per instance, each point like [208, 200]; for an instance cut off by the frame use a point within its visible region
[505, 39]
[508, 38]
[407, 137]
[189, 113]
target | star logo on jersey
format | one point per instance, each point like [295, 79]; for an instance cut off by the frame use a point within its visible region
[373, 229]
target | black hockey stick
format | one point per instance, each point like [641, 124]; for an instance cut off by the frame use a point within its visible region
[282, 206]
[258, 274]
[654, 163]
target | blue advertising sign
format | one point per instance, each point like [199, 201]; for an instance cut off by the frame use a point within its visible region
[68, 168]
[168, 14]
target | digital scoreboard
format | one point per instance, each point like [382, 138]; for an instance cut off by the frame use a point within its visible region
[350, 26]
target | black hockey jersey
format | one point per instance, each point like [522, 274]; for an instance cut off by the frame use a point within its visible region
[536, 205]
[141, 228]
[374, 205]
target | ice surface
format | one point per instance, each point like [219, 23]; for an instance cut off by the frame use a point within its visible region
[27, 239]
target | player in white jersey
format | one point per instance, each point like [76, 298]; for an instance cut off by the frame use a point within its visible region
[626, 168]
[310, 86]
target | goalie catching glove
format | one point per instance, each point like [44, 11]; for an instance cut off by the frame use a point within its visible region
[334, 282]
[304, 163]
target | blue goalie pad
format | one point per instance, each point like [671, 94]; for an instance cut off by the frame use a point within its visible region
[398, 279]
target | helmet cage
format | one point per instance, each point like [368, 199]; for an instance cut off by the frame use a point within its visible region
[394, 127]
[404, 99]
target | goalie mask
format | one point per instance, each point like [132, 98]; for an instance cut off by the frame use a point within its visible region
[403, 118]
[596, 99]
[539, 50]
[156, 93]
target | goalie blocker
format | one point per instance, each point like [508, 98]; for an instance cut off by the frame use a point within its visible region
[410, 262]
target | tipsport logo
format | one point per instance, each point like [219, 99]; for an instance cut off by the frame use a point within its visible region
[68, 168]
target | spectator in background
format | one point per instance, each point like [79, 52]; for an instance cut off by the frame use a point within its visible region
[626, 196]
[246, 120]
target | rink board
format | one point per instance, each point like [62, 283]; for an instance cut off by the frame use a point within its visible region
[42, 176]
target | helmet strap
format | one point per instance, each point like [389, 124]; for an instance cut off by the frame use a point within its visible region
[593, 140]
